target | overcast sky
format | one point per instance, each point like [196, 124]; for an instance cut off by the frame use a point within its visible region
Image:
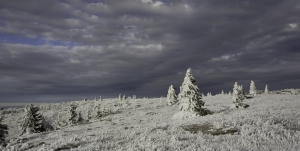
[63, 50]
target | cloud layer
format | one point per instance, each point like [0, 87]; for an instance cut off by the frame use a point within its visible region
[53, 50]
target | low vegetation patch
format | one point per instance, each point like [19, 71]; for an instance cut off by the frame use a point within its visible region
[209, 129]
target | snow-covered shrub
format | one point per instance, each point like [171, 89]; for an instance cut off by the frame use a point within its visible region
[32, 121]
[46, 124]
[238, 95]
[96, 113]
[79, 118]
[190, 98]
[172, 96]
[3, 132]
[252, 90]
[266, 90]
[61, 121]
[294, 92]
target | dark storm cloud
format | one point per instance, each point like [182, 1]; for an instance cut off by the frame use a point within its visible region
[82, 48]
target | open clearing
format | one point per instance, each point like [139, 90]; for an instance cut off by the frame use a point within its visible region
[272, 122]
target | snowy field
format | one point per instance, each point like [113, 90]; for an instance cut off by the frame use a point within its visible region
[272, 122]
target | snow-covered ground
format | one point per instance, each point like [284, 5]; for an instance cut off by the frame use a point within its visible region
[272, 122]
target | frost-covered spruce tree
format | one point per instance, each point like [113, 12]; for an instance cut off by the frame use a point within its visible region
[190, 98]
[222, 93]
[172, 96]
[73, 116]
[238, 95]
[266, 90]
[242, 95]
[235, 92]
[3, 132]
[32, 121]
[252, 90]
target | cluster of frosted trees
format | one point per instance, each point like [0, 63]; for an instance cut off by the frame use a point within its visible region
[32, 122]
[124, 97]
[238, 95]
[190, 99]
[253, 90]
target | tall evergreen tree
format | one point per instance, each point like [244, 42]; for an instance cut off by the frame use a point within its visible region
[3, 132]
[172, 96]
[32, 121]
[252, 90]
[190, 98]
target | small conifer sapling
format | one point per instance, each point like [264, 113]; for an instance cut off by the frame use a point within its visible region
[172, 96]
[266, 90]
[252, 90]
